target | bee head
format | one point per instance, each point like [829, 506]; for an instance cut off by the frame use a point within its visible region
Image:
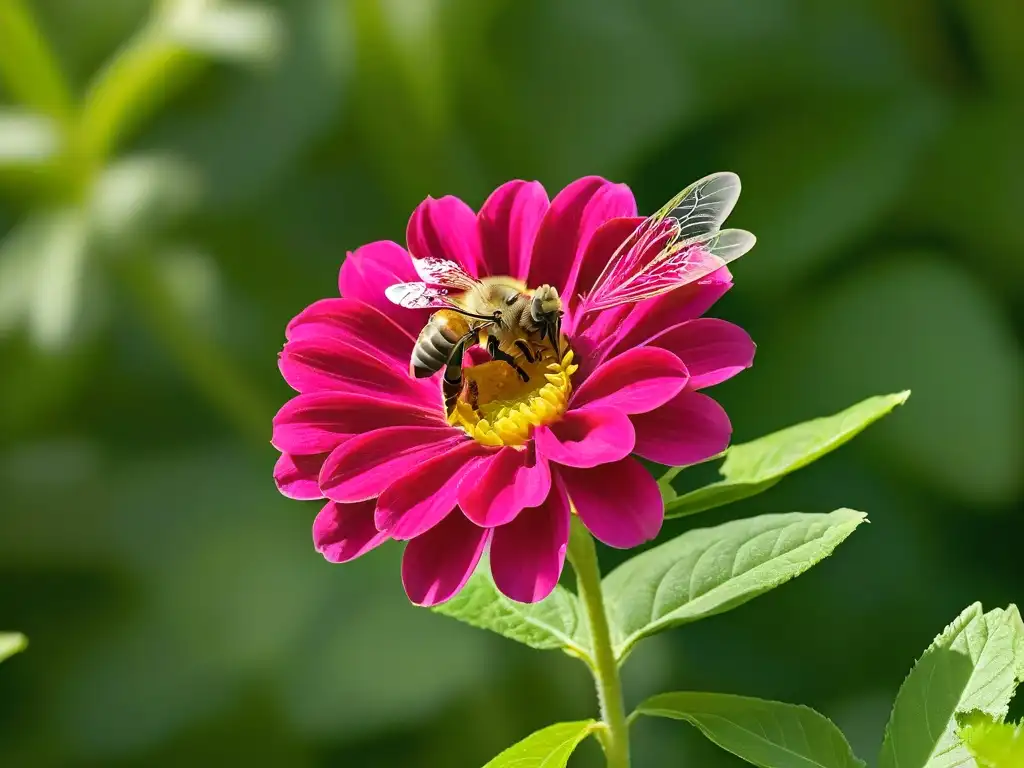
[545, 305]
[546, 311]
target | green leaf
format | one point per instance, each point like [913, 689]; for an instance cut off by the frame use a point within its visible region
[43, 271]
[27, 138]
[242, 32]
[135, 199]
[753, 467]
[882, 318]
[975, 664]
[992, 233]
[164, 57]
[549, 747]
[555, 622]
[857, 155]
[124, 96]
[766, 733]
[307, 82]
[994, 28]
[11, 643]
[993, 744]
[712, 570]
[27, 65]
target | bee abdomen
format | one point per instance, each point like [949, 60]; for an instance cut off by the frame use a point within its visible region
[433, 348]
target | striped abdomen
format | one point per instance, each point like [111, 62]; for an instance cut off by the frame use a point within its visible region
[436, 343]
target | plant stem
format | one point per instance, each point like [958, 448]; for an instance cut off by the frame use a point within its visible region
[202, 360]
[583, 557]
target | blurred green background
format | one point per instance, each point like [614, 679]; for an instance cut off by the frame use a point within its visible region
[178, 179]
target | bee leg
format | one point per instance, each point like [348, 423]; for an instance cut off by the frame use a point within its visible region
[451, 384]
[499, 354]
[554, 334]
[525, 349]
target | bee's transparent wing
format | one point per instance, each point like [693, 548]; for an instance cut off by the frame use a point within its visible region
[443, 273]
[703, 206]
[442, 281]
[419, 296]
[679, 265]
[658, 256]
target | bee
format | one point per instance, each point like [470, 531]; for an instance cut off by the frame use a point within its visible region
[680, 244]
[499, 314]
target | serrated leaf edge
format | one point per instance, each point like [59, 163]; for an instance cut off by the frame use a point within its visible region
[948, 635]
[846, 527]
[754, 486]
[647, 708]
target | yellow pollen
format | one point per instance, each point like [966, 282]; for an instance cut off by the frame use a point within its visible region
[507, 409]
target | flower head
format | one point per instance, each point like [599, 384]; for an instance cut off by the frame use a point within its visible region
[520, 451]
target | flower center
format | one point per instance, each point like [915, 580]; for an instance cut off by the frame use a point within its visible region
[497, 407]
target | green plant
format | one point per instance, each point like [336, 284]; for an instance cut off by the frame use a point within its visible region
[974, 665]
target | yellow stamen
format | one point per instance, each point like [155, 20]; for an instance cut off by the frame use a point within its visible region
[507, 409]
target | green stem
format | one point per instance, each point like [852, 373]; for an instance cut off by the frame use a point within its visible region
[583, 557]
[199, 356]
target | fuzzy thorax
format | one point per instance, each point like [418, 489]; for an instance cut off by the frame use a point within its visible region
[497, 407]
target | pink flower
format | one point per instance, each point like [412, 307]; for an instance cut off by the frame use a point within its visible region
[508, 474]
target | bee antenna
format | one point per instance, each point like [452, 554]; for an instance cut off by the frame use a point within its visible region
[492, 317]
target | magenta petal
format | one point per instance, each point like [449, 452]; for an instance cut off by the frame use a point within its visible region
[527, 554]
[511, 480]
[297, 476]
[598, 252]
[368, 271]
[311, 365]
[651, 317]
[343, 532]
[445, 229]
[476, 356]
[363, 467]
[586, 438]
[688, 429]
[613, 201]
[620, 503]
[438, 564]
[713, 350]
[423, 496]
[318, 422]
[568, 226]
[636, 381]
[352, 322]
[508, 224]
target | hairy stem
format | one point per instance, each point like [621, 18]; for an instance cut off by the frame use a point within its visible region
[583, 557]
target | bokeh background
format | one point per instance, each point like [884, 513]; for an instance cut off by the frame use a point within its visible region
[177, 179]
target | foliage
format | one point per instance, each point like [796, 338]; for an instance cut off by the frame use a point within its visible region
[753, 467]
[708, 571]
[11, 643]
[973, 666]
[234, 151]
[697, 575]
[766, 733]
[550, 747]
[991, 743]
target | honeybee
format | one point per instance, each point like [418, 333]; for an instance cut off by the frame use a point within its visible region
[500, 314]
[679, 244]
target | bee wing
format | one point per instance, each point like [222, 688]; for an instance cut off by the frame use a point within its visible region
[702, 207]
[419, 296]
[678, 265]
[442, 279]
[664, 252]
[444, 273]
